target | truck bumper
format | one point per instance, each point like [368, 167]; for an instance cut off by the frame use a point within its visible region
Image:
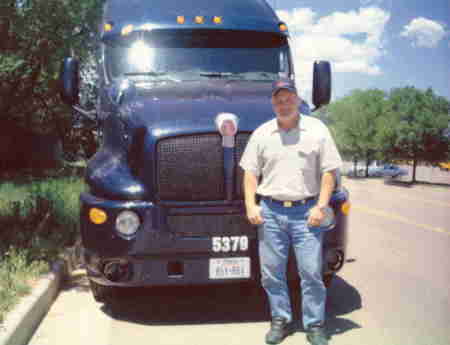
[159, 256]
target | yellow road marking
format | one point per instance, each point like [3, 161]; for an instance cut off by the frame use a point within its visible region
[399, 218]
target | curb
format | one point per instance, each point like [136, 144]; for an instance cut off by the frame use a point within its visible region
[21, 322]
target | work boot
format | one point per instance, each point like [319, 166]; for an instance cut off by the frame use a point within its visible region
[317, 336]
[279, 329]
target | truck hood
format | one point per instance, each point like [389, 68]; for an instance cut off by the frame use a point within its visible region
[194, 105]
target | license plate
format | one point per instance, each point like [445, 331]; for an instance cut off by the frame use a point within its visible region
[229, 268]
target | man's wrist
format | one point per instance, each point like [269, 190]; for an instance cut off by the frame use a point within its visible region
[322, 207]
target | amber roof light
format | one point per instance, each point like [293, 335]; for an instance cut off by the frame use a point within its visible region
[199, 19]
[283, 27]
[127, 30]
[108, 27]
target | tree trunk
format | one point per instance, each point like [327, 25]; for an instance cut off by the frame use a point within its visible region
[414, 170]
[355, 165]
[367, 166]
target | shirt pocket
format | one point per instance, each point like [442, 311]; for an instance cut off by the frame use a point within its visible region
[307, 158]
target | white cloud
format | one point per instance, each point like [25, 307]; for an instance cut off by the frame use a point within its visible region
[424, 32]
[351, 41]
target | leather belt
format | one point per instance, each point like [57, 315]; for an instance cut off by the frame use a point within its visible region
[289, 203]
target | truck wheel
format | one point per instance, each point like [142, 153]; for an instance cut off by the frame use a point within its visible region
[102, 294]
[327, 279]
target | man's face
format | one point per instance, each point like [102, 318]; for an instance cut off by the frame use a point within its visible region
[285, 103]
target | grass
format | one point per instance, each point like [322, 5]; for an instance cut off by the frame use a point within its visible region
[16, 276]
[39, 218]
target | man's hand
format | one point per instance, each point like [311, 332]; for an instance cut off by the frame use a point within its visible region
[254, 215]
[316, 216]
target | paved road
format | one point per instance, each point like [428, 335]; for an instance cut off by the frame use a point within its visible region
[394, 291]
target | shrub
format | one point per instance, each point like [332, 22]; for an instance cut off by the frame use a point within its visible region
[41, 216]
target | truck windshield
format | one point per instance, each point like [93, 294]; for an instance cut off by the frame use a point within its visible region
[182, 55]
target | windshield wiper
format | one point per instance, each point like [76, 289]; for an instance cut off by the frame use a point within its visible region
[219, 74]
[244, 75]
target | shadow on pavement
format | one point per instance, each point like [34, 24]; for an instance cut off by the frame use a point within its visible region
[342, 299]
[223, 304]
[410, 184]
[77, 281]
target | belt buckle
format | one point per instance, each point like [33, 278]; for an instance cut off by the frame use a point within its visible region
[287, 203]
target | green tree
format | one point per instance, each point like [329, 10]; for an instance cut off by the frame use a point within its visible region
[354, 120]
[38, 34]
[414, 127]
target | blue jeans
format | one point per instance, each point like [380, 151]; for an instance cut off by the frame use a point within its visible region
[282, 227]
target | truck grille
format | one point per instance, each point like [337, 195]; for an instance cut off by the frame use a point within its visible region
[202, 176]
[241, 143]
[191, 168]
[210, 225]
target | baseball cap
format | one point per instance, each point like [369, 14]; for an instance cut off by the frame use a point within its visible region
[287, 84]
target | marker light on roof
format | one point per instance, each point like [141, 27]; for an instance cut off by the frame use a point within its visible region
[107, 27]
[217, 20]
[199, 19]
[180, 20]
[283, 27]
[127, 30]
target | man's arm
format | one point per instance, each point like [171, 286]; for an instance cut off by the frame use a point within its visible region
[317, 215]
[253, 210]
[250, 186]
[326, 188]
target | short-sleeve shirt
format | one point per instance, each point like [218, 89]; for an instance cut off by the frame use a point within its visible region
[291, 162]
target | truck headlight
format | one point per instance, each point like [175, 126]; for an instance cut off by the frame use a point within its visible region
[127, 223]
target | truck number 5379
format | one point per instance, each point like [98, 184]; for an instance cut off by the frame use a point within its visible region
[229, 244]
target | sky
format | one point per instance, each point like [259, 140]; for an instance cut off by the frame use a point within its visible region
[380, 44]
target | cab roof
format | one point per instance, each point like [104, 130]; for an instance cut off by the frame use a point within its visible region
[253, 15]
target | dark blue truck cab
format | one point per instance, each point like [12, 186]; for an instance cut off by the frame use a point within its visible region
[165, 202]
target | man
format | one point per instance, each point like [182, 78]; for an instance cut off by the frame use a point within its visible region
[297, 159]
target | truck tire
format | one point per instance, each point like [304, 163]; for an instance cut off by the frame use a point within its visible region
[102, 294]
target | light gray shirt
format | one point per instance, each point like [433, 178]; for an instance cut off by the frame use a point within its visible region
[291, 162]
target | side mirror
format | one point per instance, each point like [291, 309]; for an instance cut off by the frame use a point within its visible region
[70, 81]
[321, 83]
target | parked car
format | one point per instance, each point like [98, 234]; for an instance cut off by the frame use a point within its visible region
[387, 170]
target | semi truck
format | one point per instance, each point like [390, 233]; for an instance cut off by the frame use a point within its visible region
[165, 203]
